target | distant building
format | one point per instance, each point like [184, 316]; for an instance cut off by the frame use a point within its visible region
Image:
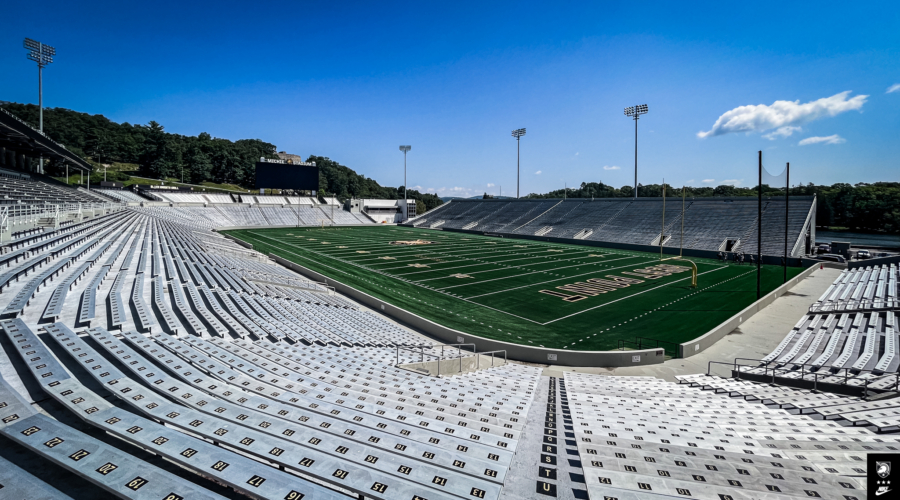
[295, 159]
[383, 210]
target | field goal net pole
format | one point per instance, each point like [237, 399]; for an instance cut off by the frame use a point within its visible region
[681, 248]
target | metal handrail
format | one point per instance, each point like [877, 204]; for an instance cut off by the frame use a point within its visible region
[412, 348]
[480, 354]
[815, 374]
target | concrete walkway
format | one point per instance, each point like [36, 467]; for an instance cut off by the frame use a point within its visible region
[756, 338]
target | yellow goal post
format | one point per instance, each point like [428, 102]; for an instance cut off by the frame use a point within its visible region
[662, 236]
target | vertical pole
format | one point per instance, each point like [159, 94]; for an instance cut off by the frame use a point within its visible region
[787, 190]
[681, 250]
[759, 235]
[635, 156]
[662, 231]
[517, 168]
[406, 211]
[41, 95]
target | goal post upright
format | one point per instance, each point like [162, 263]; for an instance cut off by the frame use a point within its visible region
[681, 249]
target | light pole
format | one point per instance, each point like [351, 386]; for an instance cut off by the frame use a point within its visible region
[42, 55]
[517, 133]
[405, 150]
[99, 153]
[636, 112]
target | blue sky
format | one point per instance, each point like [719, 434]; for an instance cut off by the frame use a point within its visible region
[806, 83]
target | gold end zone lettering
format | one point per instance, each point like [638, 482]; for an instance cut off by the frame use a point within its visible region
[623, 279]
[566, 297]
[585, 289]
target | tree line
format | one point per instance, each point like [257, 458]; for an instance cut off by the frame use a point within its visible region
[866, 207]
[196, 159]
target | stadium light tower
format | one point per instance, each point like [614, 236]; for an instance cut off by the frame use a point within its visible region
[636, 112]
[405, 150]
[42, 55]
[517, 133]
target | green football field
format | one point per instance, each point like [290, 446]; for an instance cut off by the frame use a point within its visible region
[521, 291]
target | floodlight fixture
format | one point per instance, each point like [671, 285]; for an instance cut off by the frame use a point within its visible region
[42, 55]
[517, 133]
[405, 150]
[636, 112]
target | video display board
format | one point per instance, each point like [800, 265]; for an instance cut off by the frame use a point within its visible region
[287, 176]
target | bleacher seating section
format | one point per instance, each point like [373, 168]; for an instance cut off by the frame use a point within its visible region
[39, 191]
[708, 222]
[848, 338]
[166, 341]
[122, 195]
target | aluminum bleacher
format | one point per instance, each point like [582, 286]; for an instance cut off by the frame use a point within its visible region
[709, 223]
[848, 337]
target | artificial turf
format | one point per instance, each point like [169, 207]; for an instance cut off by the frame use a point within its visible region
[491, 287]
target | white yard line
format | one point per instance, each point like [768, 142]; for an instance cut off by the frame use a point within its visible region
[489, 263]
[410, 282]
[467, 299]
[533, 272]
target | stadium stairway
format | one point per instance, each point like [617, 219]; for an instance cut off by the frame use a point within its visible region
[547, 462]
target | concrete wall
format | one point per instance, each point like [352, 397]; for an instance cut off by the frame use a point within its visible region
[700, 344]
[229, 228]
[529, 354]
[688, 252]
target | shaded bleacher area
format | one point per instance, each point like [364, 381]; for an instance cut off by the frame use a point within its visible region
[143, 355]
[17, 188]
[715, 224]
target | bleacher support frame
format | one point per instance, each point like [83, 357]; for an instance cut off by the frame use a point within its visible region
[844, 388]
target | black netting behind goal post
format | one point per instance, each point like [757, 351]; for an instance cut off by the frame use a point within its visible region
[772, 187]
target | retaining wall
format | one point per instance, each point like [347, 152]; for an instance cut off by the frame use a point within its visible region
[518, 352]
[700, 344]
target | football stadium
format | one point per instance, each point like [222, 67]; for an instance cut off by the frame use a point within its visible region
[262, 336]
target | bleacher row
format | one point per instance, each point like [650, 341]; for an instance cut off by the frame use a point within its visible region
[715, 438]
[28, 190]
[222, 198]
[246, 215]
[122, 195]
[849, 336]
[709, 223]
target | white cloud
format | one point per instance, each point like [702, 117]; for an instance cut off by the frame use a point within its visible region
[690, 181]
[831, 139]
[537, 173]
[614, 167]
[760, 117]
[708, 181]
[490, 184]
[893, 88]
[732, 182]
[782, 132]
